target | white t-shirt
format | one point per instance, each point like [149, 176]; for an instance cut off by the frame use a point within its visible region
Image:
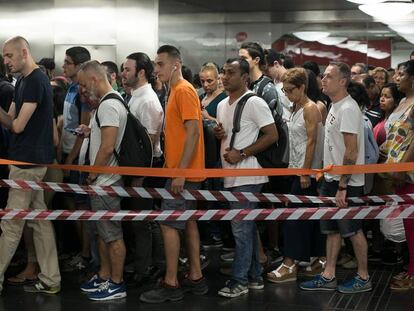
[111, 112]
[256, 114]
[146, 107]
[343, 117]
[286, 103]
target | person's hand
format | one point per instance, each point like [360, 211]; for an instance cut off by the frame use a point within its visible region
[205, 114]
[91, 178]
[219, 131]
[398, 179]
[341, 199]
[177, 185]
[232, 156]
[305, 182]
[83, 131]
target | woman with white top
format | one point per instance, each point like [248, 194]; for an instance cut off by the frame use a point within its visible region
[302, 239]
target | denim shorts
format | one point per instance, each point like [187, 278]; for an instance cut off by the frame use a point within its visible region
[346, 227]
[180, 205]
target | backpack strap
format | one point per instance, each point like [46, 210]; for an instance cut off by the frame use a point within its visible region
[265, 81]
[237, 116]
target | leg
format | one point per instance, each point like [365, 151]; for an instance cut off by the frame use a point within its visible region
[172, 251]
[193, 250]
[333, 246]
[105, 268]
[360, 245]
[117, 252]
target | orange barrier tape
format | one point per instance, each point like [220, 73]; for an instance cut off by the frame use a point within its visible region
[194, 173]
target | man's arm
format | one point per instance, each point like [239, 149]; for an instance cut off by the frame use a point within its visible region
[17, 125]
[106, 149]
[270, 136]
[85, 118]
[191, 140]
[350, 158]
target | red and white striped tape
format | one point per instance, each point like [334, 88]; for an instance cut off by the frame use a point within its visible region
[362, 212]
[196, 195]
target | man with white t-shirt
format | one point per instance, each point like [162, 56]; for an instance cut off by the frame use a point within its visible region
[146, 107]
[344, 145]
[256, 117]
[105, 137]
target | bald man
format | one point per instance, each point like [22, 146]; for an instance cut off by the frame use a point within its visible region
[30, 121]
[105, 137]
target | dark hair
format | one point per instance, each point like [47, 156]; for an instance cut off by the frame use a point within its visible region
[400, 65]
[395, 93]
[244, 65]
[368, 80]
[142, 61]
[359, 93]
[59, 94]
[172, 52]
[3, 71]
[78, 54]
[255, 50]
[344, 70]
[272, 56]
[48, 63]
[412, 53]
[409, 67]
[187, 74]
[196, 81]
[288, 62]
[112, 67]
[312, 66]
[313, 91]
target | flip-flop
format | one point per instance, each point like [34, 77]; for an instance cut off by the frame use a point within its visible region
[19, 281]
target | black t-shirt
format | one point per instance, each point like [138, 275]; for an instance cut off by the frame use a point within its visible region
[35, 143]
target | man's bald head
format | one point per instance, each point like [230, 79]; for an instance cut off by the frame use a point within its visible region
[17, 57]
[18, 42]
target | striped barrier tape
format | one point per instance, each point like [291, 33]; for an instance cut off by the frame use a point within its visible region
[196, 195]
[361, 212]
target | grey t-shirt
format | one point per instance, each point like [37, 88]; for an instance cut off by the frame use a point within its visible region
[111, 112]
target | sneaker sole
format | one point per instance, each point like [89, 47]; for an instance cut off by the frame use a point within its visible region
[229, 295]
[318, 289]
[212, 246]
[112, 297]
[171, 299]
[49, 292]
[354, 292]
[256, 287]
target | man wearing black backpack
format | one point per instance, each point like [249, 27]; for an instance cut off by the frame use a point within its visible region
[105, 138]
[238, 151]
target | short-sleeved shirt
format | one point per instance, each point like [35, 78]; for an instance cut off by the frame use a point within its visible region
[256, 114]
[111, 112]
[35, 143]
[146, 107]
[343, 117]
[183, 105]
[71, 115]
[269, 93]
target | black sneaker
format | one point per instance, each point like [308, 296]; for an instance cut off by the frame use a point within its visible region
[392, 258]
[199, 287]
[212, 242]
[162, 293]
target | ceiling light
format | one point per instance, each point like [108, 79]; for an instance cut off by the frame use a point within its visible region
[390, 10]
[332, 40]
[311, 35]
[366, 1]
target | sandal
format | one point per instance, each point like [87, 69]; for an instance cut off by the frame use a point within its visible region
[316, 268]
[276, 276]
[19, 280]
[404, 284]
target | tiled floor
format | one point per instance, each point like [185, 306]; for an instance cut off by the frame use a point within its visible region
[285, 297]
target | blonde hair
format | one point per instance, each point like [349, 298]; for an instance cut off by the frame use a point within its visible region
[210, 66]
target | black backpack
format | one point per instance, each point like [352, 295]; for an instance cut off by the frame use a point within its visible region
[136, 146]
[276, 155]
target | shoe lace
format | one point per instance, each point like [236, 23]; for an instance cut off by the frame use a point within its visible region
[104, 286]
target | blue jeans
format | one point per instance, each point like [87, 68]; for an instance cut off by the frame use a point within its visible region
[246, 264]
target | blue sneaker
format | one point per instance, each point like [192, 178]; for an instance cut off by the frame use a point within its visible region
[109, 291]
[319, 283]
[92, 285]
[355, 285]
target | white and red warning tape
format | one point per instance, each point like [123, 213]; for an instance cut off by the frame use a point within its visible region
[196, 195]
[362, 212]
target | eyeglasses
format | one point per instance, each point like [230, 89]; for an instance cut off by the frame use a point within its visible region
[289, 90]
[67, 63]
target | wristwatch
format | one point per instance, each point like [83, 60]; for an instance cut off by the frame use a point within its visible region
[340, 188]
[242, 154]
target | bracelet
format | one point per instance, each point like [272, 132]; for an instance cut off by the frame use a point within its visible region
[342, 188]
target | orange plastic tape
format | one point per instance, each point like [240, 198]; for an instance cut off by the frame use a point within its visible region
[194, 173]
